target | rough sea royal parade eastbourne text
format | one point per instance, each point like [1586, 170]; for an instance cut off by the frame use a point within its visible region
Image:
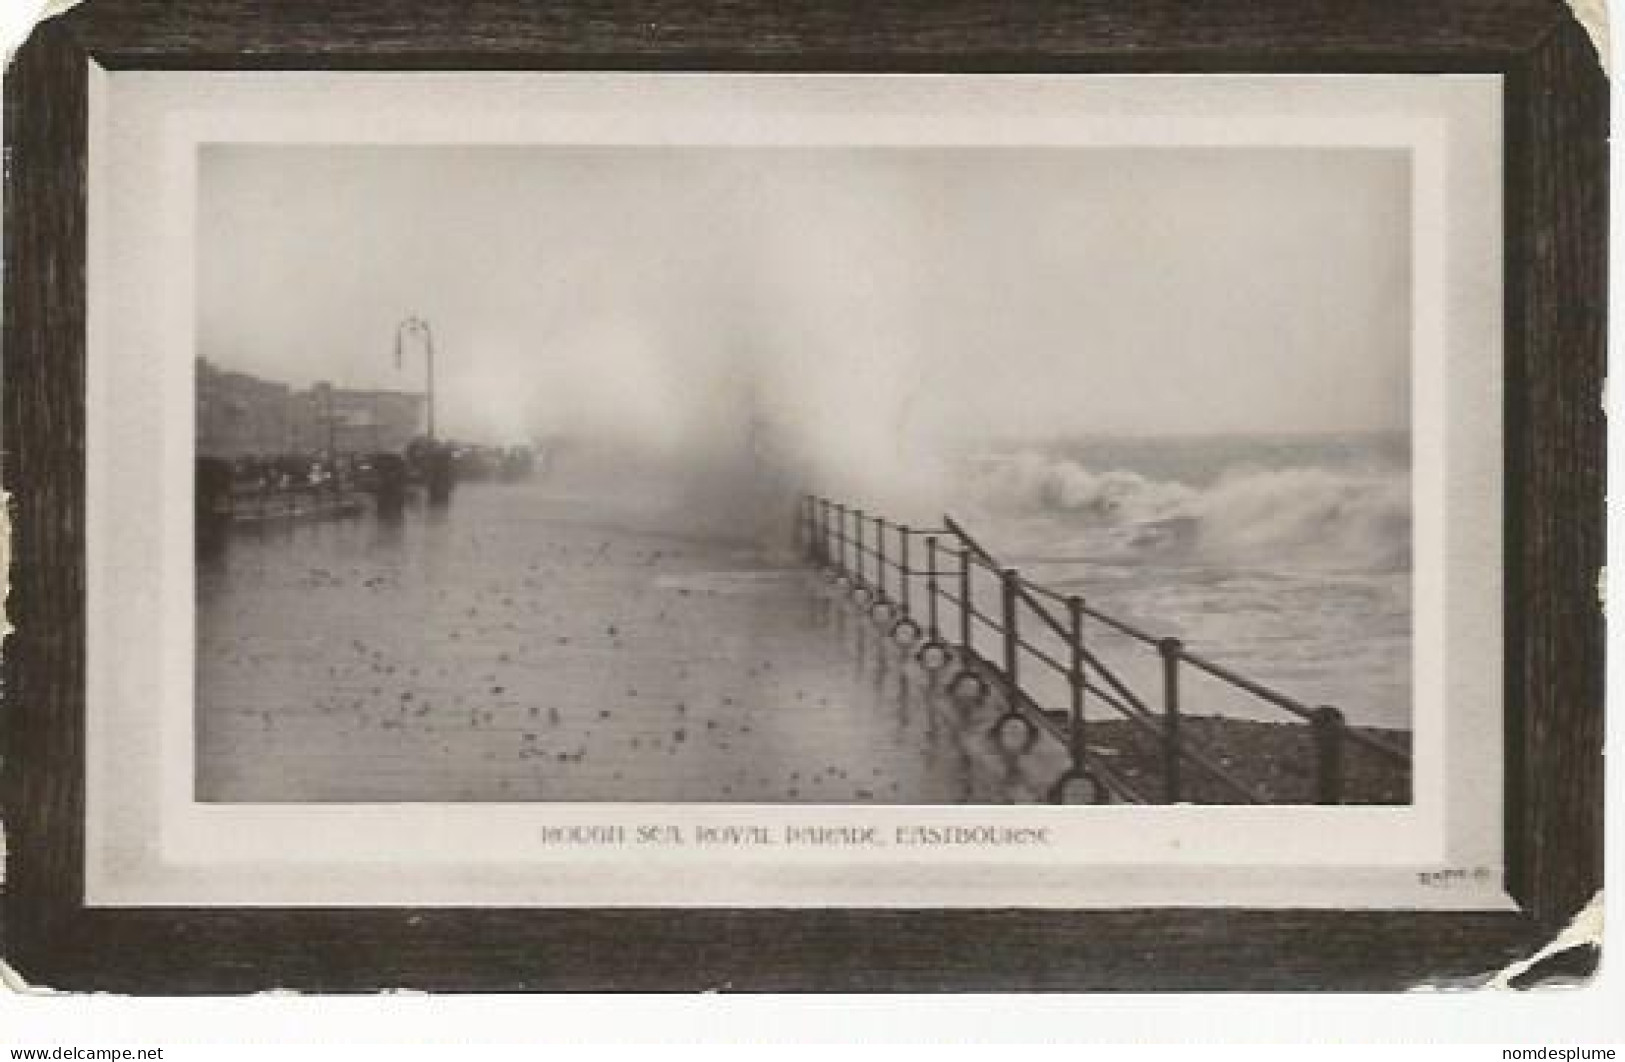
[683, 834]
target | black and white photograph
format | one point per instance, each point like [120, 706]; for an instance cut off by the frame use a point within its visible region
[740, 499]
[803, 474]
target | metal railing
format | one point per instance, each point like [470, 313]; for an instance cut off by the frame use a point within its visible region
[883, 564]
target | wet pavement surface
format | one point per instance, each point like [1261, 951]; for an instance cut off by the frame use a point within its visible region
[537, 643]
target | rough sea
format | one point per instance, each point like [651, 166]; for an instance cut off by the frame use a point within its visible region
[1287, 559]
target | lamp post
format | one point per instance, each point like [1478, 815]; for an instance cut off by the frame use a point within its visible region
[439, 473]
[417, 326]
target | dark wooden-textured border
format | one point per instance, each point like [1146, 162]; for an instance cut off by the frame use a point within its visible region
[1556, 118]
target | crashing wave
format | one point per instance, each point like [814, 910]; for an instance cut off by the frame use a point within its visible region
[1302, 514]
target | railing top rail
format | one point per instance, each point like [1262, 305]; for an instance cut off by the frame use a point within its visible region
[969, 541]
[1024, 592]
[1121, 627]
[1045, 592]
[1257, 689]
[987, 564]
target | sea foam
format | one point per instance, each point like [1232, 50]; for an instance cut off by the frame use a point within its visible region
[1298, 514]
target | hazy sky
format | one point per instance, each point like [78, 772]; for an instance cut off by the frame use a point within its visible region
[878, 295]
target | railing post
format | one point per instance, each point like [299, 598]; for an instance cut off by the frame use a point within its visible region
[879, 557]
[1328, 729]
[857, 544]
[823, 530]
[903, 573]
[840, 538]
[1076, 678]
[965, 605]
[930, 585]
[832, 541]
[1170, 648]
[1009, 579]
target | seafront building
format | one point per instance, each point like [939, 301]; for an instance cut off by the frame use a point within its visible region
[240, 415]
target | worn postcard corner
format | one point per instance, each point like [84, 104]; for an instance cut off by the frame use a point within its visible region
[1583, 931]
[44, 9]
[1544, 969]
[14, 983]
[1593, 16]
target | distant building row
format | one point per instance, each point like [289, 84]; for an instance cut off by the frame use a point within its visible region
[240, 415]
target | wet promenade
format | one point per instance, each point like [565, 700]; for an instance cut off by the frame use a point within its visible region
[562, 641]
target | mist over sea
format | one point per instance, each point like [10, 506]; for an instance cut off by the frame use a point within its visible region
[1286, 558]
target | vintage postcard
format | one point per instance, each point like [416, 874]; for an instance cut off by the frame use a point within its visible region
[695, 490]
